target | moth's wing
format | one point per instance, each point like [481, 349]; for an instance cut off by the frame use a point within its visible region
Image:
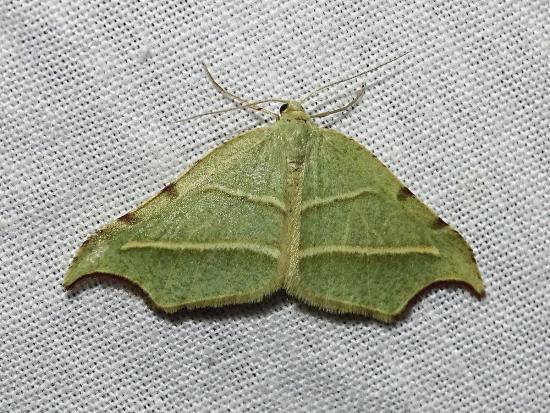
[209, 238]
[368, 245]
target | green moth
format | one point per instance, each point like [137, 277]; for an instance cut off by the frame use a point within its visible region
[288, 206]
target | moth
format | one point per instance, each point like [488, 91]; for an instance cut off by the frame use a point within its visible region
[290, 206]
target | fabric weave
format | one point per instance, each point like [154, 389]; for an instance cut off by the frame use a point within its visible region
[90, 90]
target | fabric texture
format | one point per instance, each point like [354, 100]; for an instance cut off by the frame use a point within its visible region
[90, 92]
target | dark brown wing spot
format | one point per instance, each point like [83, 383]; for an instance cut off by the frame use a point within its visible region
[170, 190]
[404, 193]
[439, 223]
[99, 233]
[129, 218]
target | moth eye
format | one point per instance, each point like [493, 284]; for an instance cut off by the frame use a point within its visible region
[283, 107]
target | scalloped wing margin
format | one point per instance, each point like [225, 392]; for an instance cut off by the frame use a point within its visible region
[369, 246]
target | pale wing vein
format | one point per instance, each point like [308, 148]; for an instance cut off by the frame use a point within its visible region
[204, 246]
[368, 250]
[260, 199]
[336, 198]
[191, 186]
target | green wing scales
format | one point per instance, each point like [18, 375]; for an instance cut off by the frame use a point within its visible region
[367, 244]
[209, 238]
[290, 206]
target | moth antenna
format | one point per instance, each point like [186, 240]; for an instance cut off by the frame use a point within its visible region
[321, 88]
[348, 105]
[249, 105]
[236, 98]
[213, 112]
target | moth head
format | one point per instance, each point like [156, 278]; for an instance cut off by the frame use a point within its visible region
[291, 106]
[293, 110]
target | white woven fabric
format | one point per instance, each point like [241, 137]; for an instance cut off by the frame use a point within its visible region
[89, 90]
